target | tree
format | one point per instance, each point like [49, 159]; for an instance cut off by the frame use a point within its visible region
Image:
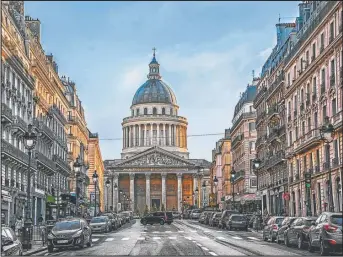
[162, 207]
[154, 208]
[146, 211]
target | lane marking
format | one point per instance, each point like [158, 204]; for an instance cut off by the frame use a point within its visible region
[254, 238]
[212, 253]
[236, 237]
[203, 237]
[109, 239]
[204, 248]
[98, 235]
[219, 231]
[181, 231]
[155, 232]
[144, 232]
[206, 231]
[199, 245]
[168, 231]
[125, 238]
[193, 231]
[172, 237]
[95, 239]
[194, 241]
[220, 238]
[156, 238]
[141, 238]
[187, 237]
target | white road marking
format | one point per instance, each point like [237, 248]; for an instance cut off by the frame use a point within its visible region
[254, 238]
[98, 235]
[181, 231]
[155, 232]
[193, 231]
[220, 238]
[168, 231]
[206, 231]
[194, 241]
[172, 237]
[156, 238]
[95, 239]
[144, 232]
[109, 239]
[219, 231]
[189, 238]
[46, 254]
[141, 238]
[199, 245]
[125, 238]
[204, 248]
[203, 237]
[236, 237]
[212, 253]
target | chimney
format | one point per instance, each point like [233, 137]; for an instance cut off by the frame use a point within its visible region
[34, 26]
[227, 133]
[50, 57]
[282, 31]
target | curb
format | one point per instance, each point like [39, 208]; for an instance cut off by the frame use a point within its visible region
[35, 251]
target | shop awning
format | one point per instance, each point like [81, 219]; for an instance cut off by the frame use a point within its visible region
[250, 197]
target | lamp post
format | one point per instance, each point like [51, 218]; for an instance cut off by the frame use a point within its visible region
[115, 189]
[203, 194]
[257, 163]
[233, 173]
[95, 180]
[326, 134]
[215, 181]
[30, 140]
[124, 198]
[108, 184]
[77, 168]
[196, 197]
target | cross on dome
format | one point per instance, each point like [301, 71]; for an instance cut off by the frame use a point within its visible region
[154, 67]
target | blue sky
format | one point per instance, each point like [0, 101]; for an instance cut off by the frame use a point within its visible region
[207, 51]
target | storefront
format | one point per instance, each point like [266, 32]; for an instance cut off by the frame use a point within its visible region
[6, 200]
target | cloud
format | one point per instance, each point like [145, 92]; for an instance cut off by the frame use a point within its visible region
[264, 54]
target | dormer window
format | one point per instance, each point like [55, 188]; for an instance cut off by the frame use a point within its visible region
[171, 111]
[145, 111]
[137, 112]
[154, 111]
[163, 111]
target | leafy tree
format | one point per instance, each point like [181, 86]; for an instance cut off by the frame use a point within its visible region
[146, 211]
[162, 207]
[154, 208]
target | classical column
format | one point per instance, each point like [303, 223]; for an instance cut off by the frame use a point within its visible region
[145, 140]
[147, 189]
[169, 135]
[164, 192]
[158, 134]
[132, 190]
[185, 137]
[123, 138]
[115, 190]
[164, 137]
[179, 191]
[151, 134]
[139, 135]
[134, 139]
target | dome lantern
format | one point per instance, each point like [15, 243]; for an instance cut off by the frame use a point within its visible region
[154, 67]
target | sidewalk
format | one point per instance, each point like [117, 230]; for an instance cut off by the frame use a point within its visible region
[36, 248]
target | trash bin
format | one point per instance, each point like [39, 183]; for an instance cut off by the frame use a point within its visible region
[26, 235]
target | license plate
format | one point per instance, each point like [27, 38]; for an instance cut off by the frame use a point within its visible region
[62, 241]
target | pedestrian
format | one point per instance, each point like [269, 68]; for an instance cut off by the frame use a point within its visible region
[19, 225]
[40, 219]
[12, 222]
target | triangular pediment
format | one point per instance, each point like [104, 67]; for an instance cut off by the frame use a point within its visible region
[156, 157]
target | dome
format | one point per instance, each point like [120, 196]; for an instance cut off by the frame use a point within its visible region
[154, 91]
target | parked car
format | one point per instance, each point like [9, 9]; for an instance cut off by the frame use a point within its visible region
[207, 217]
[282, 232]
[237, 221]
[10, 244]
[126, 216]
[202, 217]
[153, 218]
[326, 233]
[271, 229]
[169, 217]
[70, 233]
[186, 214]
[225, 216]
[100, 224]
[112, 219]
[176, 215]
[195, 214]
[214, 220]
[297, 234]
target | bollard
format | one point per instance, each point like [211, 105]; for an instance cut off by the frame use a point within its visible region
[27, 235]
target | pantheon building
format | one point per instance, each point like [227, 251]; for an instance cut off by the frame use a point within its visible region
[155, 169]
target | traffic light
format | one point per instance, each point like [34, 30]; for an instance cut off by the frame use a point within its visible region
[308, 180]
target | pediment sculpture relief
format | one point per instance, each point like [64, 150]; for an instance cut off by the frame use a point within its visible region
[154, 159]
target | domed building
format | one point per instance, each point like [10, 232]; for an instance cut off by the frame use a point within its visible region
[155, 170]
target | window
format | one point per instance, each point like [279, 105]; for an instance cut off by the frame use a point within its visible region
[324, 112]
[289, 78]
[318, 158]
[290, 138]
[137, 112]
[334, 108]
[335, 147]
[323, 77]
[163, 111]
[331, 32]
[307, 57]
[311, 161]
[313, 51]
[296, 133]
[253, 182]
[294, 72]
[332, 77]
[154, 111]
[252, 126]
[132, 113]
[145, 111]
[321, 42]
[171, 111]
[251, 146]
[298, 167]
[315, 115]
[314, 86]
[301, 64]
[302, 95]
[303, 128]
[304, 163]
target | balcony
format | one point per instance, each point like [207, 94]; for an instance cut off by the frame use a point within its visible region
[260, 117]
[316, 169]
[236, 140]
[273, 110]
[239, 175]
[275, 159]
[332, 80]
[259, 96]
[93, 135]
[143, 117]
[243, 116]
[276, 84]
[43, 128]
[19, 124]
[297, 177]
[45, 163]
[337, 120]
[61, 164]
[274, 134]
[6, 114]
[261, 140]
[73, 119]
[9, 151]
[308, 141]
[326, 166]
[291, 180]
[55, 111]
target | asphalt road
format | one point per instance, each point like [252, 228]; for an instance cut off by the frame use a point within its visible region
[182, 237]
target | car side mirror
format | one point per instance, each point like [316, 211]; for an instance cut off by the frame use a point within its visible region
[313, 223]
[7, 241]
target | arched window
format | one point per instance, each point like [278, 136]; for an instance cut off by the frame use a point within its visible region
[154, 111]
[137, 112]
[163, 110]
[171, 111]
[145, 111]
[132, 113]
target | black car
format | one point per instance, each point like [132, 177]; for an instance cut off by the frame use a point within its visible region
[154, 218]
[225, 217]
[237, 221]
[70, 233]
[170, 217]
[10, 244]
[282, 232]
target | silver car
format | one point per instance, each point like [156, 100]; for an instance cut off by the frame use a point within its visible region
[195, 214]
[100, 224]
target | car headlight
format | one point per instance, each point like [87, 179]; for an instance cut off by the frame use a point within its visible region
[51, 236]
[77, 234]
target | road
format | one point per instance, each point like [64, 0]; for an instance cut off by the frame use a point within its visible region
[182, 237]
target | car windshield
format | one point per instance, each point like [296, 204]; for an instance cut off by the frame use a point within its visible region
[98, 220]
[196, 211]
[337, 220]
[67, 225]
[278, 221]
[238, 218]
[308, 222]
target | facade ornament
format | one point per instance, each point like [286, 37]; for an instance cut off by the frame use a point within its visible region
[132, 175]
[179, 175]
[147, 175]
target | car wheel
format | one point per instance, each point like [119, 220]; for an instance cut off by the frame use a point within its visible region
[310, 247]
[264, 237]
[50, 248]
[287, 241]
[162, 222]
[323, 250]
[144, 222]
[228, 228]
[271, 237]
[89, 244]
[169, 223]
[300, 242]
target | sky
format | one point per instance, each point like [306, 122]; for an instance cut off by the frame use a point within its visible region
[207, 51]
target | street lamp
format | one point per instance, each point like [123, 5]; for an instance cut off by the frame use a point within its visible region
[203, 194]
[326, 134]
[108, 184]
[95, 180]
[30, 140]
[77, 169]
[196, 197]
[233, 173]
[215, 181]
